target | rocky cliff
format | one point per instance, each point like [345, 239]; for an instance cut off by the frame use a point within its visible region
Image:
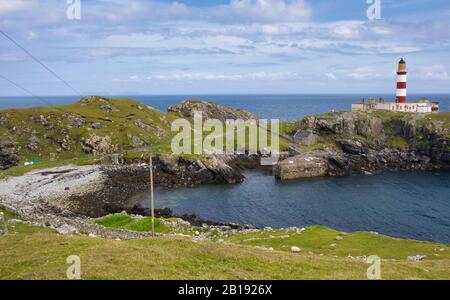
[358, 142]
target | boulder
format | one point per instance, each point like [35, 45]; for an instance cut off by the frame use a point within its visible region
[75, 121]
[66, 229]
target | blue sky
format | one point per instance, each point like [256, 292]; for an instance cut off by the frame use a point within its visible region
[225, 47]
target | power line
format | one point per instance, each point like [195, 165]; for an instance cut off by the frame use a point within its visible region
[26, 90]
[41, 63]
[61, 109]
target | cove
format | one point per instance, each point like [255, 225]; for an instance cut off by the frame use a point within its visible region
[414, 205]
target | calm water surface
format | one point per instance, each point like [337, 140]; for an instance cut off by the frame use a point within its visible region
[402, 204]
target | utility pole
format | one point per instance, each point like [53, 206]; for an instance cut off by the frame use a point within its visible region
[152, 200]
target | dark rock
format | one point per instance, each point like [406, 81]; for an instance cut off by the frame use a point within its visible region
[306, 138]
[351, 146]
[8, 155]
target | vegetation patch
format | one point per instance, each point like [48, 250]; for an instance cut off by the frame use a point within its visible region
[398, 142]
[125, 221]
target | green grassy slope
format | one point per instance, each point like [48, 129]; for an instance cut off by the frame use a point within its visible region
[117, 118]
[37, 253]
[122, 120]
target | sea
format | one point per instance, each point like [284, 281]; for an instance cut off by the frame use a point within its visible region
[284, 107]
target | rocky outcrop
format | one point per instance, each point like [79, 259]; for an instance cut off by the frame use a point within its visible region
[210, 111]
[306, 137]
[150, 128]
[8, 155]
[355, 142]
[351, 146]
[99, 145]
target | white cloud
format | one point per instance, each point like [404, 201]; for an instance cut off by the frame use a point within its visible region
[211, 76]
[270, 10]
[433, 72]
[11, 6]
[331, 76]
[348, 30]
[363, 73]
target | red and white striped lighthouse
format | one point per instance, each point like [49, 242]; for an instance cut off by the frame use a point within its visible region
[401, 82]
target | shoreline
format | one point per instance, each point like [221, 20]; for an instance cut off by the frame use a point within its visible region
[49, 197]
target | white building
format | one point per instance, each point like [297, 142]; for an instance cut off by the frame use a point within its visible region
[421, 106]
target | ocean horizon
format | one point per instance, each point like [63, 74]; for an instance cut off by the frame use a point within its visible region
[270, 106]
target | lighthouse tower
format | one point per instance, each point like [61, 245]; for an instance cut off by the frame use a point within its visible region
[401, 82]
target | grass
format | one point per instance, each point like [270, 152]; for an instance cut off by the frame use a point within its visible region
[317, 239]
[290, 127]
[387, 116]
[398, 142]
[37, 253]
[325, 141]
[124, 221]
[443, 117]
